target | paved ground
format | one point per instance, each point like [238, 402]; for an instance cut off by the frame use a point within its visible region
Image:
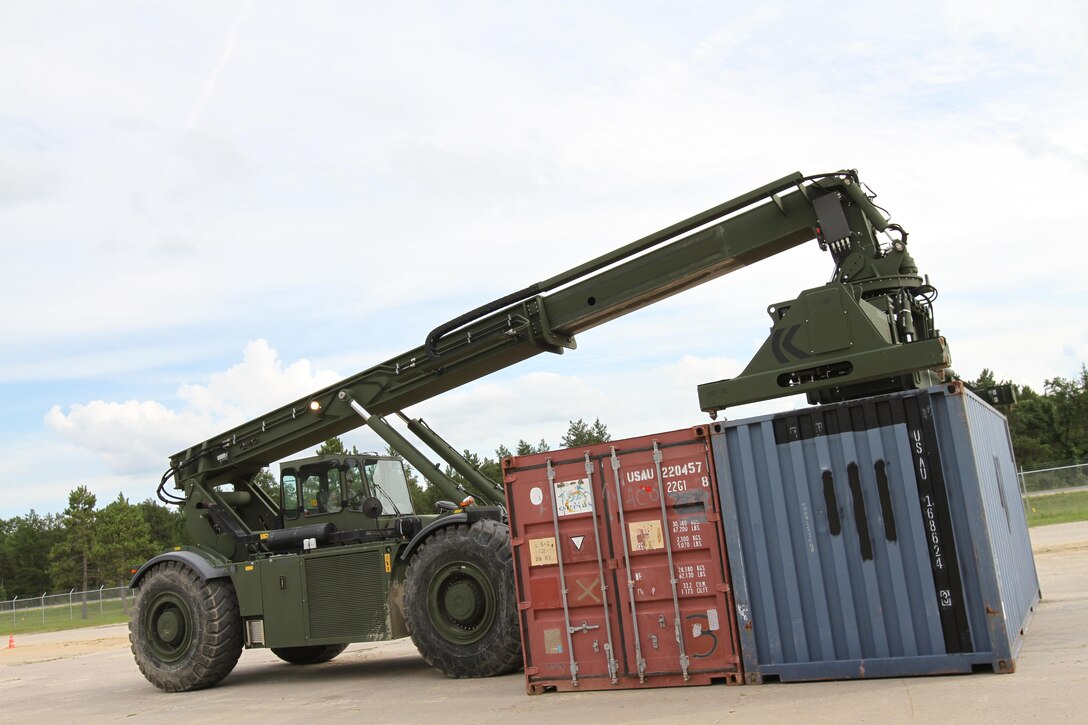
[89, 676]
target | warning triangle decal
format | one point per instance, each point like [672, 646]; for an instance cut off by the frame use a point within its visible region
[577, 541]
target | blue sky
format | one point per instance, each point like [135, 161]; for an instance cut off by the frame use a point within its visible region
[210, 209]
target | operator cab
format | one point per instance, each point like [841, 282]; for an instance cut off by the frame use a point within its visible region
[351, 491]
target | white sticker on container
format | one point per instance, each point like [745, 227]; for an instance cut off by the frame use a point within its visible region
[573, 497]
[536, 496]
[712, 619]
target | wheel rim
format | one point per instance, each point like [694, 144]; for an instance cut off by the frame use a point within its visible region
[461, 603]
[169, 627]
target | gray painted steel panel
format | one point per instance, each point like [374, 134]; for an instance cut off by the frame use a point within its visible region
[881, 537]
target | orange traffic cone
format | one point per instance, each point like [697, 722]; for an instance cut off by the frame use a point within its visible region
[11, 641]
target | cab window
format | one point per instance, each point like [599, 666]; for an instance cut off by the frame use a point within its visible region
[319, 489]
[321, 493]
[290, 495]
[355, 485]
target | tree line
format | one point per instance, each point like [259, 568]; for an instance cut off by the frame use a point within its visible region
[84, 547]
[1049, 428]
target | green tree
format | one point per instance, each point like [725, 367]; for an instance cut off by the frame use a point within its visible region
[335, 446]
[489, 467]
[6, 528]
[1031, 427]
[264, 480]
[492, 467]
[122, 540]
[1070, 424]
[1047, 429]
[166, 525]
[1052, 428]
[27, 545]
[71, 557]
[525, 448]
[581, 434]
[985, 379]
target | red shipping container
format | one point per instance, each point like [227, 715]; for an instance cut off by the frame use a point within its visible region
[620, 565]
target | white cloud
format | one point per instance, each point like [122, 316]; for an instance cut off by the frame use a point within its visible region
[258, 383]
[138, 436]
[128, 436]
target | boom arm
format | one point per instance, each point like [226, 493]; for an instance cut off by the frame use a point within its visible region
[759, 224]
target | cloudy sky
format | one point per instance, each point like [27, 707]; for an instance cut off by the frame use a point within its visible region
[211, 209]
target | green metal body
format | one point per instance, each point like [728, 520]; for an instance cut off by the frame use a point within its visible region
[330, 595]
[345, 585]
[868, 330]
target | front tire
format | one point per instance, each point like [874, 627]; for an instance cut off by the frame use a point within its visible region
[310, 654]
[186, 633]
[459, 601]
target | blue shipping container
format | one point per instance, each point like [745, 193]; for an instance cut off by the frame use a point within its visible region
[883, 537]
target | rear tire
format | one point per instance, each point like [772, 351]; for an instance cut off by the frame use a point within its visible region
[186, 633]
[308, 655]
[459, 601]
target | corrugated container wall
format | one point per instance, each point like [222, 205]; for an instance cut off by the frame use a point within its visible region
[877, 538]
[620, 567]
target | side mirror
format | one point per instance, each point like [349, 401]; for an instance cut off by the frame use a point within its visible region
[372, 507]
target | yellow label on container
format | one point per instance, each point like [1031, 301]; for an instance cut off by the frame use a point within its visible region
[542, 551]
[388, 563]
[553, 642]
[645, 535]
[249, 567]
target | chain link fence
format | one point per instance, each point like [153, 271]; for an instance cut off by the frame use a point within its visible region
[65, 611]
[1054, 479]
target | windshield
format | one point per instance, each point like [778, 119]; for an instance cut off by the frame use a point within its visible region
[391, 487]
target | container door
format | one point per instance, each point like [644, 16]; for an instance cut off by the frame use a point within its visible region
[565, 582]
[674, 600]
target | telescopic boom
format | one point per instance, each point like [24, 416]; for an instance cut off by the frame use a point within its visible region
[871, 326]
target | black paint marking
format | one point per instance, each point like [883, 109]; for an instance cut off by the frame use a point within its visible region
[937, 523]
[885, 500]
[834, 523]
[860, 517]
[705, 632]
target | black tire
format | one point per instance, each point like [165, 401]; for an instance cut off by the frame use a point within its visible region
[308, 655]
[186, 634]
[459, 601]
